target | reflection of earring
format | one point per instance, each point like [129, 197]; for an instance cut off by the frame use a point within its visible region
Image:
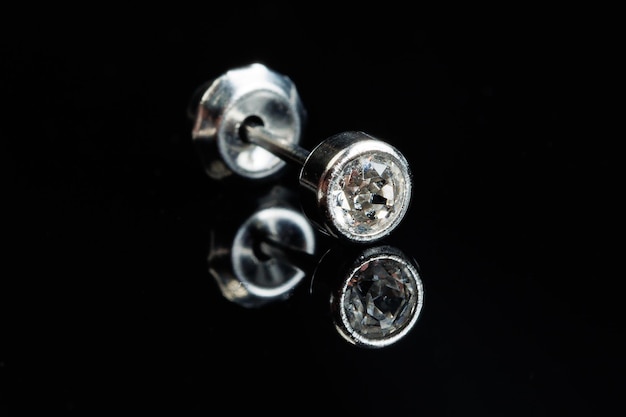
[355, 187]
[242, 256]
[375, 295]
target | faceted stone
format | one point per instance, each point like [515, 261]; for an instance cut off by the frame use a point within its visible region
[366, 197]
[381, 298]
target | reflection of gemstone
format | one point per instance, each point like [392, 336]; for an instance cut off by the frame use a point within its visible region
[381, 298]
[366, 194]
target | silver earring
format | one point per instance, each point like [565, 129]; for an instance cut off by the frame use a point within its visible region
[354, 187]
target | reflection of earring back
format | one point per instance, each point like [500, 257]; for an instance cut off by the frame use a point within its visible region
[244, 258]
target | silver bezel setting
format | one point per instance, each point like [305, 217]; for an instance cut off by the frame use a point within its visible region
[339, 222]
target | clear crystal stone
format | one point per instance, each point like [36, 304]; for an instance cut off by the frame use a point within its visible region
[366, 196]
[381, 298]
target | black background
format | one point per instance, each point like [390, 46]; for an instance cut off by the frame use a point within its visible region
[107, 302]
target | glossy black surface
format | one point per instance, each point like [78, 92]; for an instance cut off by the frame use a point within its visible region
[106, 300]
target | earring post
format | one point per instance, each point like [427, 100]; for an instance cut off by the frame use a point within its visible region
[259, 135]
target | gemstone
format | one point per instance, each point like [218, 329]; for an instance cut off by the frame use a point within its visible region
[382, 299]
[368, 195]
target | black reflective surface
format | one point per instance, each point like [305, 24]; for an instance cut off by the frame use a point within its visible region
[107, 304]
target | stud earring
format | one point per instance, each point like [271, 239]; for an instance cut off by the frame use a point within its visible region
[355, 187]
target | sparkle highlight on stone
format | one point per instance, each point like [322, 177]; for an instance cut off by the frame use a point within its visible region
[367, 195]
